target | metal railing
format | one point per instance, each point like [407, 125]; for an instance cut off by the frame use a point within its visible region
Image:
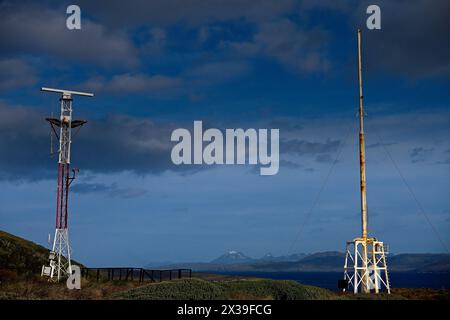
[135, 274]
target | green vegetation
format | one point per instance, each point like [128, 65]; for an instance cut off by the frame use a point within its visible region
[21, 261]
[197, 289]
[21, 256]
[422, 294]
[37, 288]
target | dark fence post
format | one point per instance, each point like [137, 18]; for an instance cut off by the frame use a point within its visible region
[98, 274]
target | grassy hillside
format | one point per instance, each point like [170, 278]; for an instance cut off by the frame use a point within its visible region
[21, 261]
[20, 255]
[258, 289]
[197, 289]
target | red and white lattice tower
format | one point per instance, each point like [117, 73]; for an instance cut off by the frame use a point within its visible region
[60, 255]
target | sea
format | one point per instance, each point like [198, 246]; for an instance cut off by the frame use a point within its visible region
[329, 280]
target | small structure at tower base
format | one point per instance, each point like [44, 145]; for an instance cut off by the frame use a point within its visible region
[60, 264]
[365, 268]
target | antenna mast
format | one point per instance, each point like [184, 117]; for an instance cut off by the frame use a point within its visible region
[365, 267]
[362, 150]
[60, 260]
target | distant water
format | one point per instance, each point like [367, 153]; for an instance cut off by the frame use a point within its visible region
[329, 280]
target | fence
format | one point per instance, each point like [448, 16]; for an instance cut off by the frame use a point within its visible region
[135, 274]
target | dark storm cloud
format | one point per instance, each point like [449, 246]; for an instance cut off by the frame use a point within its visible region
[202, 75]
[111, 190]
[117, 143]
[413, 36]
[125, 143]
[216, 72]
[85, 188]
[282, 39]
[26, 27]
[133, 83]
[24, 146]
[194, 12]
[413, 39]
[40, 29]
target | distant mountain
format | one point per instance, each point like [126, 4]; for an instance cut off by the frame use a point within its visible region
[267, 257]
[317, 262]
[236, 257]
[292, 257]
[232, 257]
[330, 261]
[233, 260]
[322, 261]
[420, 262]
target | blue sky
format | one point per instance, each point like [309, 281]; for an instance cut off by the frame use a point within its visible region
[156, 66]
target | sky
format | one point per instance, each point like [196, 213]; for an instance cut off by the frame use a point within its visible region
[155, 66]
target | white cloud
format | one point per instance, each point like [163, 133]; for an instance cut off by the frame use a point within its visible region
[36, 30]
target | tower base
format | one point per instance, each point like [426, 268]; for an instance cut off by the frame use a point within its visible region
[59, 258]
[365, 268]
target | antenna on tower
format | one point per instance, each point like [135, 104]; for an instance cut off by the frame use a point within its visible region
[59, 258]
[365, 267]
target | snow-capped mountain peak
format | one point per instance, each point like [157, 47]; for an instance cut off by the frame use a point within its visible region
[232, 256]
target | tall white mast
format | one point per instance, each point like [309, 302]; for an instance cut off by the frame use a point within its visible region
[362, 150]
[365, 267]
